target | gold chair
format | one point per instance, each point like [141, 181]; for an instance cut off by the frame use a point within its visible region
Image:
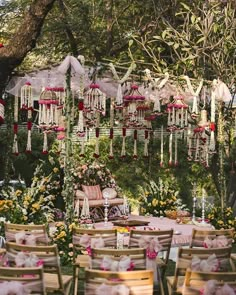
[138, 282]
[184, 259]
[38, 231]
[195, 281]
[80, 247]
[48, 255]
[199, 236]
[17, 279]
[164, 238]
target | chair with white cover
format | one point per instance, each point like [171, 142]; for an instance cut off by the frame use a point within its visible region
[83, 239]
[22, 281]
[138, 282]
[30, 256]
[212, 238]
[208, 283]
[118, 259]
[28, 234]
[197, 259]
[156, 242]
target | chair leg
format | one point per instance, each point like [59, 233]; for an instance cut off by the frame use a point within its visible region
[76, 280]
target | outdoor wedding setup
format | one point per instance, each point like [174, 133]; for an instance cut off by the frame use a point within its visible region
[68, 102]
[117, 147]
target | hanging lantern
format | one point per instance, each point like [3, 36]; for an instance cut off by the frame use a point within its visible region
[135, 108]
[95, 100]
[177, 114]
[48, 109]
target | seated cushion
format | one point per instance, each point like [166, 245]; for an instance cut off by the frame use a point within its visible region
[80, 195]
[93, 192]
[100, 203]
[109, 192]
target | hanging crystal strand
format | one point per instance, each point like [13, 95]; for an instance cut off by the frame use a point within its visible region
[45, 143]
[111, 155]
[176, 149]
[162, 147]
[170, 148]
[135, 154]
[80, 129]
[146, 140]
[207, 155]
[15, 150]
[169, 117]
[28, 145]
[182, 118]
[212, 124]
[197, 156]
[123, 151]
[173, 117]
[96, 152]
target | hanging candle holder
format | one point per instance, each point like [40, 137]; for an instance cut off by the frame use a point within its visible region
[48, 109]
[177, 114]
[135, 108]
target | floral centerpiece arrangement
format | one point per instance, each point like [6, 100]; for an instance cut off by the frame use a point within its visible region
[93, 173]
[157, 199]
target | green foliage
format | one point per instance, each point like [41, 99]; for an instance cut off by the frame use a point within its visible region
[61, 234]
[155, 199]
[219, 219]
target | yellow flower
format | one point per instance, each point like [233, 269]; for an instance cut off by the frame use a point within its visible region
[18, 192]
[70, 254]
[154, 202]
[220, 222]
[61, 235]
[25, 218]
[27, 198]
[146, 193]
[55, 170]
[42, 188]
[71, 226]
[26, 203]
[36, 206]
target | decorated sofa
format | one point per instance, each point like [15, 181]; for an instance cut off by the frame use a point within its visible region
[96, 198]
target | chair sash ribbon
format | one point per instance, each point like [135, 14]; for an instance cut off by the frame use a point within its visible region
[124, 264]
[23, 237]
[218, 242]
[14, 287]
[211, 288]
[152, 246]
[26, 259]
[112, 290]
[211, 264]
[89, 242]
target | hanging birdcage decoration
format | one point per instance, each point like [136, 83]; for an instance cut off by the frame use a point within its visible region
[177, 114]
[94, 102]
[49, 109]
[135, 108]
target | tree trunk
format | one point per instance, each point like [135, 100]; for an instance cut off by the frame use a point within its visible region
[24, 40]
